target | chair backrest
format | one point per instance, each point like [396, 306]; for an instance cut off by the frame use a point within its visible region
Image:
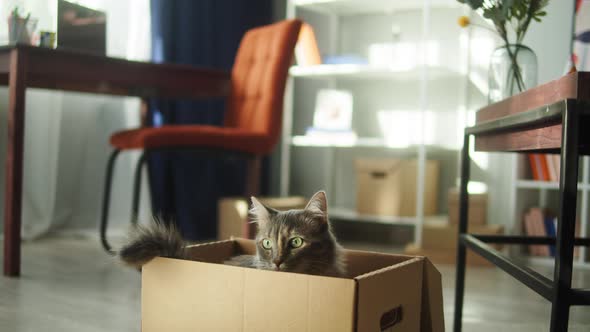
[258, 80]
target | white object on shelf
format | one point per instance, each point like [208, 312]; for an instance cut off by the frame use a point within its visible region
[333, 110]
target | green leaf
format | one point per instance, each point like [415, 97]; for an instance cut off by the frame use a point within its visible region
[495, 14]
[474, 4]
[507, 6]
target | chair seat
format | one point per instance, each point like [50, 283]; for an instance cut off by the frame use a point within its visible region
[198, 136]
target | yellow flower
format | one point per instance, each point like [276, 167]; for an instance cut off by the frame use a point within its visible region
[463, 21]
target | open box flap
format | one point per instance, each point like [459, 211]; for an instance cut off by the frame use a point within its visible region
[390, 298]
[432, 300]
[213, 252]
[362, 262]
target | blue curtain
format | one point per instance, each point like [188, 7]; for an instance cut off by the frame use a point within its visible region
[185, 187]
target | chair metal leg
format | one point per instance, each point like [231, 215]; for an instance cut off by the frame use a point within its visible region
[106, 201]
[461, 249]
[137, 189]
[564, 246]
[253, 167]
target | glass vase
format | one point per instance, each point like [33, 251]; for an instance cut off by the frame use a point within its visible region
[513, 69]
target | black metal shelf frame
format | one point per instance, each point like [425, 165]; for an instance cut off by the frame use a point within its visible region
[558, 291]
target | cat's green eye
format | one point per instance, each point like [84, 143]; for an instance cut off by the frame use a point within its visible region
[296, 242]
[266, 244]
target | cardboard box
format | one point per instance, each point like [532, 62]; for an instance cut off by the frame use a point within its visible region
[442, 236]
[478, 207]
[448, 256]
[403, 293]
[388, 186]
[233, 214]
[439, 242]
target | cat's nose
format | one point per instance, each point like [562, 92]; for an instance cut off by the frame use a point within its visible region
[277, 263]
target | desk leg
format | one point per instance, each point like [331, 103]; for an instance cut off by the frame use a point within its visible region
[461, 249]
[564, 245]
[14, 164]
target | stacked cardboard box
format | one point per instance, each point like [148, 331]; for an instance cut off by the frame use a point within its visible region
[439, 236]
[439, 242]
[478, 207]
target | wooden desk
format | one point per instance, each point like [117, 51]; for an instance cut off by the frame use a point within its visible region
[549, 118]
[23, 67]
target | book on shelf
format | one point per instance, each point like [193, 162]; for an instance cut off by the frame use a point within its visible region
[550, 230]
[552, 170]
[543, 222]
[544, 167]
[536, 167]
[556, 164]
[535, 226]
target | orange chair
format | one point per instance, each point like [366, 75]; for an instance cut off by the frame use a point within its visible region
[252, 121]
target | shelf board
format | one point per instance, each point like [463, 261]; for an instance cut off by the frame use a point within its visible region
[372, 72]
[369, 142]
[551, 185]
[304, 140]
[356, 7]
[343, 213]
[352, 215]
[365, 71]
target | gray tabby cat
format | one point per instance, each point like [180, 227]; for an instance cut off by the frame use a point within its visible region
[299, 241]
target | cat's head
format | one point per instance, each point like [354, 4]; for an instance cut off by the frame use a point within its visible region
[294, 240]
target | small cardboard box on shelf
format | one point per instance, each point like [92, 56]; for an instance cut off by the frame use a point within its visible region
[388, 186]
[478, 207]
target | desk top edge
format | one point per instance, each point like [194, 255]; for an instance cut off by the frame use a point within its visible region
[570, 86]
[35, 50]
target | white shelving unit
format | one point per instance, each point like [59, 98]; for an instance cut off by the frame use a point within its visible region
[335, 12]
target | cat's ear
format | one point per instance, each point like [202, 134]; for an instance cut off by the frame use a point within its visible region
[259, 213]
[318, 203]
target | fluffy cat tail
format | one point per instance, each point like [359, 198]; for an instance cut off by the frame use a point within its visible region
[148, 242]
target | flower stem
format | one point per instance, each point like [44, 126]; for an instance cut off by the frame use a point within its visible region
[515, 68]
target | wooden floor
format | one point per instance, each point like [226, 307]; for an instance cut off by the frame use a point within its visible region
[70, 284]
